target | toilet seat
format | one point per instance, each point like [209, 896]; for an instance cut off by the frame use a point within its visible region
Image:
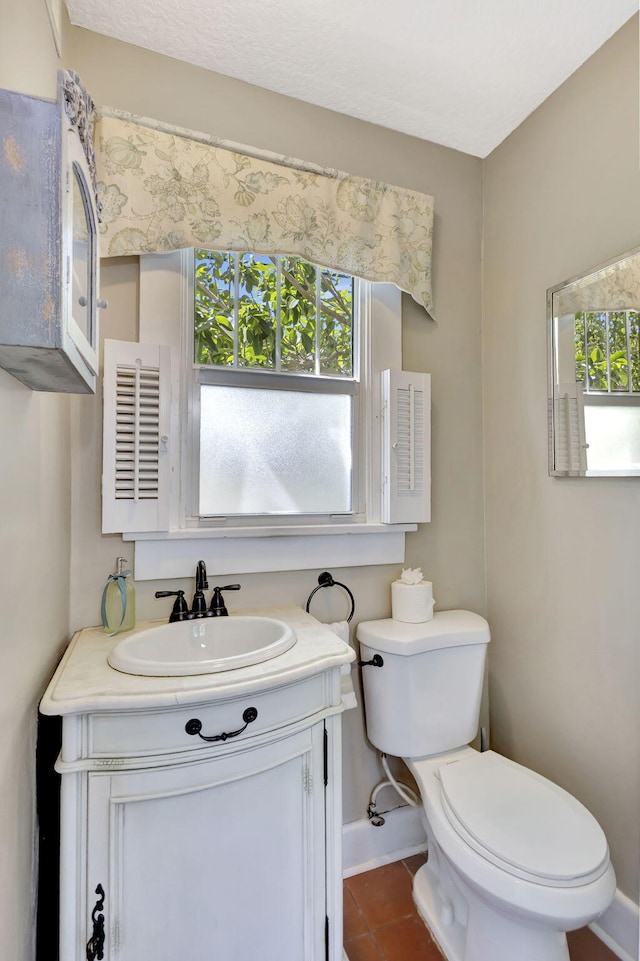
[521, 822]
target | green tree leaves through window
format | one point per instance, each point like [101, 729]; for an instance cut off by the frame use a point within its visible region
[272, 313]
[607, 350]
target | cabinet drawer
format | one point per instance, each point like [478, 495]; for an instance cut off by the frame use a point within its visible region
[163, 731]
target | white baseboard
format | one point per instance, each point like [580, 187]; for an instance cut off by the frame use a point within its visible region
[618, 927]
[365, 847]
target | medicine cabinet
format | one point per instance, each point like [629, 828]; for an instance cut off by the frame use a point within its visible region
[49, 239]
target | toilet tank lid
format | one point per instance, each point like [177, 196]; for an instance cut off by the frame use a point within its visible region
[445, 629]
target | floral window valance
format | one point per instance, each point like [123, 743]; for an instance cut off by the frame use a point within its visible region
[616, 287]
[160, 191]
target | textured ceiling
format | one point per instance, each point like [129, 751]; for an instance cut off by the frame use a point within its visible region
[458, 72]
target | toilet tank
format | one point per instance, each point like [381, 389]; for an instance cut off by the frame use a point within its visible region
[425, 698]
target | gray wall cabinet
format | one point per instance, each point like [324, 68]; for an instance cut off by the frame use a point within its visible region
[49, 240]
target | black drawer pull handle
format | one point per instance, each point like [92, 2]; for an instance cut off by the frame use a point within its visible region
[194, 726]
[95, 945]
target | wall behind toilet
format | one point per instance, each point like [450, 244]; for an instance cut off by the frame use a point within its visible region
[562, 194]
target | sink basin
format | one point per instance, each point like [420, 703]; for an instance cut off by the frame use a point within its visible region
[202, 646]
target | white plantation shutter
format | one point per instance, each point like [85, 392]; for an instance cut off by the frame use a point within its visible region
[570, 453]
[406, 425]
[137, 411]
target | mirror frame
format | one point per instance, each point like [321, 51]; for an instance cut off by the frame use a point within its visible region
[551, 363]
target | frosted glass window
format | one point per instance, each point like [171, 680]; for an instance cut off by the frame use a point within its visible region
[274, 451]
[613, 436]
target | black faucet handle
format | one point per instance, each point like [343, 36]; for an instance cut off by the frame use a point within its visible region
[218, 608]
[180, 610]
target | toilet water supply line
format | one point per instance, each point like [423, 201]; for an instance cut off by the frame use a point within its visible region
[405, 792]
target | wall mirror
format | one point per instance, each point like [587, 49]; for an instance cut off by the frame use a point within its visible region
[594, 372]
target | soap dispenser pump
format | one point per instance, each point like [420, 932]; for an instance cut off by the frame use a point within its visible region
[119, 600]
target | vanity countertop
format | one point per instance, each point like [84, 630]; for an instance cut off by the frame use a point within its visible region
[84, 681]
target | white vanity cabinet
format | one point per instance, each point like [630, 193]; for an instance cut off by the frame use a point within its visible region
[173, 847]
[216, 858]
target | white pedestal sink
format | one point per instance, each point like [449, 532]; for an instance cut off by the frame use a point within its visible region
[202, 646]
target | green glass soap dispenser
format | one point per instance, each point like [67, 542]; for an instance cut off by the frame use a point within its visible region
[119, 600]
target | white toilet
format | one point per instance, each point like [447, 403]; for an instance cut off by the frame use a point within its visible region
[514, 860]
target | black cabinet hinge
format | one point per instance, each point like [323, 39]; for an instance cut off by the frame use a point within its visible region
[326, 757]
[326, 938]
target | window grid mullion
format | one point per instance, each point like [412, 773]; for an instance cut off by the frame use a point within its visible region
[278, 318]
[236, 311]
[318, 322]
[607, 322]
[627, 334]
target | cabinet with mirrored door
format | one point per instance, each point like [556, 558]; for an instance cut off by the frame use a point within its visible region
[49, 240]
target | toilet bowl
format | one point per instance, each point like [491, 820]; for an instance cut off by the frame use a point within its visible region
[514, 861]
[494, 887]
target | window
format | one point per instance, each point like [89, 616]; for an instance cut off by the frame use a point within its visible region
[607, 351]
[266, 436]
[275, 374]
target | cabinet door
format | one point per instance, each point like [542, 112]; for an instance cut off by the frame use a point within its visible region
[215, 860]
[80, 240]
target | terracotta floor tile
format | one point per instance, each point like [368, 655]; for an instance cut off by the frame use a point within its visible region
[363, 949]
[585, 946]
[354, 924]
[383, 895]
[381, 901]
[415, 861]
[407, 939]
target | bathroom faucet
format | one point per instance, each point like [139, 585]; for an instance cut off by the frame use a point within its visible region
[181, 610]
[199, 605]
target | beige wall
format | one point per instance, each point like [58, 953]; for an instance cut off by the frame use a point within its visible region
[34, 545]
[28, 58]
[450, 550]
[562, 194]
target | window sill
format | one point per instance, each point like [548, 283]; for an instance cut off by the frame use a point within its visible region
[251, 550]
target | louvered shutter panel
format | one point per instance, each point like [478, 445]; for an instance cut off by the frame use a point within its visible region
[570, 447]
[137, 411]
[406, 459]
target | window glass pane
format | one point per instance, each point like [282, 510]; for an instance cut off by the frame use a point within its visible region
[257, 300]
[274, 451]
[214, 307]
[634, 347]
[611, 360]
[298, 315]
[614, 437]
[597, 350]
[618, 363]
[336, 320]
[290, 315]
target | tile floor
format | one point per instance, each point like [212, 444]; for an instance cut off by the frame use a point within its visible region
[381, 922]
